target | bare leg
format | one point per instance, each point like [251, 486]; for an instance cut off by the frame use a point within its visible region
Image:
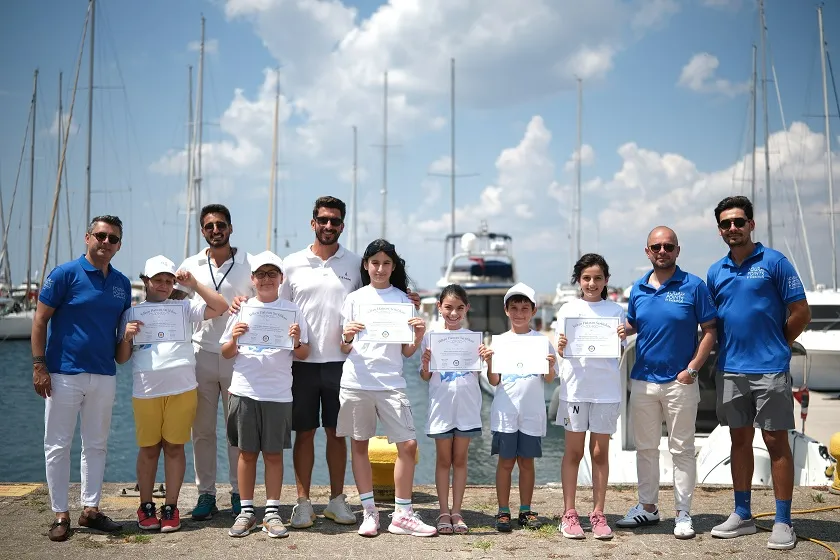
[575, 442]
[273, 475]
[361, 466]
[174, 465]
[443, 464]
[246, 470]
[459, 471]
[743, 461]
[404, 468]
[781, 463]
[303, 457]
[504, 475]
[527, 477]
[336, 461]
[147, 462]
[599, 450]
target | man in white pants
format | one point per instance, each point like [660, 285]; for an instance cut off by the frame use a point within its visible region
[227, 270]
[74, 369]
[666, 306]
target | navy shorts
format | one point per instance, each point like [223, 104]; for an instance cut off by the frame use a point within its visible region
[511, 446]
[315, 390]
[455, 432]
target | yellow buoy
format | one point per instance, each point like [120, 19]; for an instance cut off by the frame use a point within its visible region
[834, 451]
[382, 456]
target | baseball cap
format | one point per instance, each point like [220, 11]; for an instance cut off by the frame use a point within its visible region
[158, 264]
[520, 289]
[264, 258]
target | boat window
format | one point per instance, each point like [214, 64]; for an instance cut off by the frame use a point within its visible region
[824, 318]
[487, 314]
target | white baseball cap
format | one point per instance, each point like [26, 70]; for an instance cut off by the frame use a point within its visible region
[158, 264]
[520, 289]
[264, 258]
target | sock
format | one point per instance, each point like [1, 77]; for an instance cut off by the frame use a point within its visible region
[524, 508]
[247, 506]
[272, 506]
[505, 509]
[367, 501]
[742, 504]
[402, 505]
[783, 512]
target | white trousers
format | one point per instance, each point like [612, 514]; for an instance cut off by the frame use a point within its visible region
[676, 404]
[92, 396]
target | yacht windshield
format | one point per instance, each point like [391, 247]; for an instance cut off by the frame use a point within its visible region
[824, 318]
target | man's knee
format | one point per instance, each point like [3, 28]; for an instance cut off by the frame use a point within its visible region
[304, 437]
[777, 443]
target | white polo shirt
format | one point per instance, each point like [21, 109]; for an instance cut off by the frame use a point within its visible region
[319, 287]
[233, 278]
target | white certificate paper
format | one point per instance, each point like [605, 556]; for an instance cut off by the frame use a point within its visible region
[592, 337]
[162, 322]
[454, 351]
[520, 354]
[267, 326]
[386, 323]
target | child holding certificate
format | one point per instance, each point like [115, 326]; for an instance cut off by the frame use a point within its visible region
[454, 410]
[590, 391]
[164, 394]
[259, 416]
[517, 417]
[379, 330]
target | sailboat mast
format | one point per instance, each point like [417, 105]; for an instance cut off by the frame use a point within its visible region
[272, 196]
[452, 153]
[354, 220]
[828, 154]
[385, 158]
[766, 126]
[189, 163]
[199, 123]
[31, 189]
[58, 163]
[90, 112]
[578, 156]
[754, 98]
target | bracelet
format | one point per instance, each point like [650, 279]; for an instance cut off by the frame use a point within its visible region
[39, 360]
[298, 345]
[344, 340]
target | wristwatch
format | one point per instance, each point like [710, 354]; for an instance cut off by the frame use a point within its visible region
[692, 372]
[345, 341]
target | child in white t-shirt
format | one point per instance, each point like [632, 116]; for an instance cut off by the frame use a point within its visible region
[590, 397]
[454, 413]
[259, 416]
[164, 396]
[372, 386]
[518, 414]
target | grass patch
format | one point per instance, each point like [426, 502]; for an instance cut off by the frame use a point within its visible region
[621, 487]
[139, 539]
[483, 529]
[87, 543]
[485, 507]
[548, 530]
[818, 497]
[483, 544]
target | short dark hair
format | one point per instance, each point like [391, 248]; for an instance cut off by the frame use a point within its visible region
[591, 259]
[107, 219]
[456, 291]
[519, 298]
[329, 202]
[215, 209]
[731, 202]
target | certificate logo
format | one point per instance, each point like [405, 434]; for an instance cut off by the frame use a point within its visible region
[160, 334]
[265, 338]
[591, 348]
[456, 363]
[385, 334]
[519, 365]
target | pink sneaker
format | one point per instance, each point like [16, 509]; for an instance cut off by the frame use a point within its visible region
[570, 525]
[409, 523]
[599, 526]
[370, 523]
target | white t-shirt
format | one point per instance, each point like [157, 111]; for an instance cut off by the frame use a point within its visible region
[595, 380]
[233, 278]
[259, 372]
[454, 397]
[372, 366]
[164, 368]
[319, 287]
[519, 400]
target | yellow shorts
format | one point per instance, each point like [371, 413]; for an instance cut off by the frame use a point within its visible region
[168, 418]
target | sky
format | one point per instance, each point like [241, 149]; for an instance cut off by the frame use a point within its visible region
[665, 124]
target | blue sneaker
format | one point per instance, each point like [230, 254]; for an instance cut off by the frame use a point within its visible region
[205, 508]
[235, 504]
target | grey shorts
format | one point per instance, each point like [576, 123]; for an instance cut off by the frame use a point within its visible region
[255, 426]
[511, 446]
[764, 401]
[360, 409]
[455, 432]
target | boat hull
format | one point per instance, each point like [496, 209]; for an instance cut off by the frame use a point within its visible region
[16, 326]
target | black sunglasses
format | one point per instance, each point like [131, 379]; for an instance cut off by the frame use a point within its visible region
[209, 226]
[102, 236]
[259, 275]
[739, 223]
[656, 247]
[323, 220]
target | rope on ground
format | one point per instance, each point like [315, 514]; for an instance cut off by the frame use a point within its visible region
[799, 512]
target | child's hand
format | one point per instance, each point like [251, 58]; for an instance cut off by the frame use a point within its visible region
[131, 330]
[485, 353]
[185, 278]
[561, 342]
[622, 334]
[426, 359]
[237, 303]
[238, 330]
[551, 359]
[351, 329]
[419, 326]
[294, 333]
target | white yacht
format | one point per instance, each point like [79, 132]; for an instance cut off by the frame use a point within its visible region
[821, 340]
[15, 322]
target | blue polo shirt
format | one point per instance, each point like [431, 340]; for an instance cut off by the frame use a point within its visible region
[82, 333]
[752, 302]
[666, 320]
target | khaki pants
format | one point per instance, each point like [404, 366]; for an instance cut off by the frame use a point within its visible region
[213, 374]
[676, 404]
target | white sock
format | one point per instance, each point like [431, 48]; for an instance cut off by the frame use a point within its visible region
[367, 501]
[402, 505]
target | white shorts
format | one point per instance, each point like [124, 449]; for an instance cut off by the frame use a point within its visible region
[361, 408]
[599, 418]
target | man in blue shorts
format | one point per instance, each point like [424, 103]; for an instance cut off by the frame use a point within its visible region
[666, 306]
[761, 310]
[74, 369]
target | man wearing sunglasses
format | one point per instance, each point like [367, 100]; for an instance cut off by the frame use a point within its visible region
[74, 369]
[227, 270]
[762, 309]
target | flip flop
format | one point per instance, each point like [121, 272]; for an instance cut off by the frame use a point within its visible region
[459, 527]
[444, 528]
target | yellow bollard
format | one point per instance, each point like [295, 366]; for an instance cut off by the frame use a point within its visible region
[834, 451]
[382, 457]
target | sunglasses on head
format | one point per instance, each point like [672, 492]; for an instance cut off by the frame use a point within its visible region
[259, 275]
[101, 236]
[209, 226]
[739, 223]
[323, 220]
[656, 247]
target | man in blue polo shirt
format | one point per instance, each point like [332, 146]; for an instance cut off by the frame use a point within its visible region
[666, 306]
[74, 369]
[761, 310]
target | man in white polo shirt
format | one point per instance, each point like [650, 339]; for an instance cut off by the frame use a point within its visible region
[227, 270]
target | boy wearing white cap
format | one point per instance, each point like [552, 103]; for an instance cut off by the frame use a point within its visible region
[164, 394]
[259, 417]
[518, 415]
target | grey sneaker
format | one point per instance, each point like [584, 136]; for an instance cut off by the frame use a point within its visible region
[303, 515]
[274, 526]
[244, 524]
[734, 527]
[339, 511]
[783, 537]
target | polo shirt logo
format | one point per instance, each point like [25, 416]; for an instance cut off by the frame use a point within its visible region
[48, 284]
[757, 272]
[675, 297]
[345, 276]
[794, 283]
[119, 292]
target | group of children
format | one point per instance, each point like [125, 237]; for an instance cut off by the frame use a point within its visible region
[373, 389]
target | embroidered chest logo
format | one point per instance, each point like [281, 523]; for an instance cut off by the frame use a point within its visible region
[756, 272]
[794, 283]
[119, 292]
[675, 297]
[345, 276]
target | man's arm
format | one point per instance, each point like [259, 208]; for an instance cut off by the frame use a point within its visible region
[707, 342]
[800, 316]
[40, 373]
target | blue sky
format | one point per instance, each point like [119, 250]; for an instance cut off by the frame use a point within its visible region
[664, 122]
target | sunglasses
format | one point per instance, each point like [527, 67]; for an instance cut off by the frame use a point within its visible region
[323, 220]
[270, 274]
[101, 236]
[656, 247]
[739, 223]
[210, 226]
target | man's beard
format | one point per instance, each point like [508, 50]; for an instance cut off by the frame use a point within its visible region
[321, 238]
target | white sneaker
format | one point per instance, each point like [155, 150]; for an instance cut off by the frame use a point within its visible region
[683, 527]
[303, 515]
[637, 516]
[339, 511]
[409, 523]
[370, 524]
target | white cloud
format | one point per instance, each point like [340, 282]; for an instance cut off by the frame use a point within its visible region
[587, 158]
[723, 4]
[699, 75]
[442, 166]
[654, 13]
[74, 127]
[211, 46]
